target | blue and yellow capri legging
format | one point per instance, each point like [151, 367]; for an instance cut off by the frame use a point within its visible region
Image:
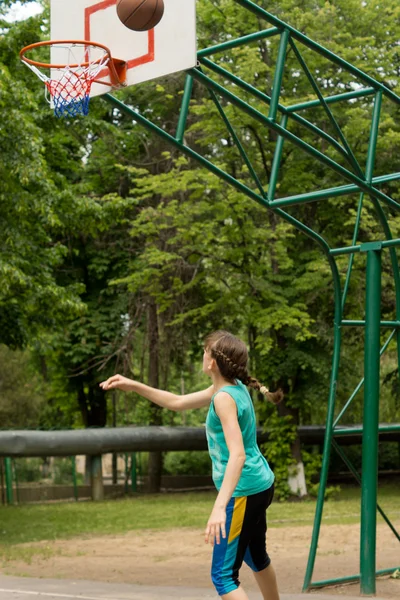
[246, 527]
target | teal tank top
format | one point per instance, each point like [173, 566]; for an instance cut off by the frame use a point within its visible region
[256, 475]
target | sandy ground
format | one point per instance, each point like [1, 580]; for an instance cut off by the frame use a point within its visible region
[180, 558]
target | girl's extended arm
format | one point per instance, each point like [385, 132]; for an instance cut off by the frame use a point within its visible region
[225, 407]
[160, 397]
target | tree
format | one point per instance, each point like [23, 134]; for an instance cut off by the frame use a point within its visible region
[30, 298]
[22, 395]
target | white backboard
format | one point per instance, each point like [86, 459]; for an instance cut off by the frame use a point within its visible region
[168, 48]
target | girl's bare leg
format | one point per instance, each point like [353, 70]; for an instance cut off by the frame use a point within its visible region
[267, 583]
[238, 594]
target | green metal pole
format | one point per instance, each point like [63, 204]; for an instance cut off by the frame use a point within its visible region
[391, 243]
[74, 480]
[326, 451]
[126, 472]
[14, 464]
[354, 242]
[187, 94]
[276, 163]
[133, 472]
[280, 65]
[3, 499]
[342, 190]
[9, 481]
[370, 420]
[242, 41]
[381, 215]
[350, 578]
[329, 426]
[339, 432]
[362, 323]
[332, 99]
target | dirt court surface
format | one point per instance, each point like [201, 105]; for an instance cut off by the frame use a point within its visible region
[181, 558]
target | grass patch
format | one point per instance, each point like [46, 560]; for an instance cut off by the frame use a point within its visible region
[25, 553]
[34, 523]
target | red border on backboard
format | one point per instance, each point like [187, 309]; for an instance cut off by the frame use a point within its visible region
[134, 62]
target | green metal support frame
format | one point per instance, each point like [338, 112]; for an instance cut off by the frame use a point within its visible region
[355, 179]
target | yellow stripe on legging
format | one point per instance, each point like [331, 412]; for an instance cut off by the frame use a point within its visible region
[237, 518]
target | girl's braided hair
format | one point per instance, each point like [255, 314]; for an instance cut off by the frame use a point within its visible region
[231, 356]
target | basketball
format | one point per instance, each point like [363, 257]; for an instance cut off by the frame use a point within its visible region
[140, 15]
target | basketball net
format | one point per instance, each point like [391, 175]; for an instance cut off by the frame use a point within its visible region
[67, 86]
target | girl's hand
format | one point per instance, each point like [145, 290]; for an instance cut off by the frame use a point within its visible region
[216, 526]
[118, 382]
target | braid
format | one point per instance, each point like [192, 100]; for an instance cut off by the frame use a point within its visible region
[274, 397]
[231, 371]
[226, 366]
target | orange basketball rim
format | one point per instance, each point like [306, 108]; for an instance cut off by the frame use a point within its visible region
[68, 81]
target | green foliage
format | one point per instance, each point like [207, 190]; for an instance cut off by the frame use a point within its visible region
[331, 491]
[61, 472]
[312, 467]
[187, 463]
[28, 470]
[21, 390]
[34, 470]
[388, 458]
[278, 450]
[30, 297]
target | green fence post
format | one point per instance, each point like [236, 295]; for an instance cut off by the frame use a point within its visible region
[14, 464]
[2, 490]
[126, 473]
[133, 472]
[371, 419]
[74, 480]
[9, 481]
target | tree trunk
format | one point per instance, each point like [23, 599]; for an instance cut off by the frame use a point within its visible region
[93, 407]
[114, 424]
[155, 458]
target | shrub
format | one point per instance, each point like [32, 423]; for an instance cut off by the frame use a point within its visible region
[28, 470]
[187, 463]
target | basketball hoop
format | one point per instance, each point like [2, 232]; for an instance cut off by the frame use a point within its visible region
[68, 81]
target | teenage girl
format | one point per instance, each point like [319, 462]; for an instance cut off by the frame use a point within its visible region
[237, 525]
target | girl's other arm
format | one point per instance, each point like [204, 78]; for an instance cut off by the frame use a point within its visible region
[160, 397]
